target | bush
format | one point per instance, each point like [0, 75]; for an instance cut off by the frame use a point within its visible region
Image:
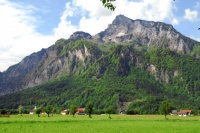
[131, 112]
[3, 112]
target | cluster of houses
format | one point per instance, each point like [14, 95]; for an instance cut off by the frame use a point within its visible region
[80, 111]
[33, 111]
[181, 112]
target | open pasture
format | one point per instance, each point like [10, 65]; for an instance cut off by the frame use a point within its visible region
[99, 124]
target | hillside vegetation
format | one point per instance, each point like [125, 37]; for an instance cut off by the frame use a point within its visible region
[122, 74]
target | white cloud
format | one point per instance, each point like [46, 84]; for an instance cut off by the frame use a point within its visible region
[146, 9]
[195, 38]
[93, 7]
[18, 36]
[96, 18]
[191, 15]
[175, 21]
[65, 28]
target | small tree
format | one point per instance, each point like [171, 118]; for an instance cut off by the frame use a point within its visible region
[48, 109]
[109, 111]
[165, 108]
[20, 109]
[89, 109]
[73, 109]
[38, 111]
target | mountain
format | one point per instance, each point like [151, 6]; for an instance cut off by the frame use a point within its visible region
[132, 61]
[146, 33]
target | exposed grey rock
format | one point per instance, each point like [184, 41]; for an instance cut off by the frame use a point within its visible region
[81, 35]
[11, 79]
[147, 33]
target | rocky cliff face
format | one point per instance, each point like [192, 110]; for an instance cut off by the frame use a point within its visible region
[76, 54]
[11, 79]
[145, 33]
[51, 65]
[58, 59]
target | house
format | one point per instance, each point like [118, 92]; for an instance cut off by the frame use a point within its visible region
[43, 113]
[64, 112]
[184, 112]
[32, 111]
[80, 111]
[174, 112]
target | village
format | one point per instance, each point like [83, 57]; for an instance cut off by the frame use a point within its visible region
[81, 111]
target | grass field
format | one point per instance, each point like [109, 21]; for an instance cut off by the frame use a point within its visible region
[99, 124]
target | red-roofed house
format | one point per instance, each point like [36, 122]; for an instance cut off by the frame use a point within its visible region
[184, 112]
[80, 111]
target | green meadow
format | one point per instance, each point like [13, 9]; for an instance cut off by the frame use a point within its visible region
[99, 124]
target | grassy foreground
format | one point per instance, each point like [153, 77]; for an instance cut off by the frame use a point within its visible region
[99, 124]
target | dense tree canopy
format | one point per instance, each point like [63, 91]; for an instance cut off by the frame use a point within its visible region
[89, 109]
[73, 109]
[38, 111]
[165, 108]
[49, 109]
[109, 111]
[20, 109]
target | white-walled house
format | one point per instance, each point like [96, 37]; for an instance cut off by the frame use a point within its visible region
[32, 111]
[64, 112]
[184, 112]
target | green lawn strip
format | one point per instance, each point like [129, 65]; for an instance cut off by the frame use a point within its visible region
[100, 124]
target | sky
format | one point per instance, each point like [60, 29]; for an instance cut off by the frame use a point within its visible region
[27, 26]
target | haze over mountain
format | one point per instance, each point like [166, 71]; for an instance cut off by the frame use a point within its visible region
[152, 48]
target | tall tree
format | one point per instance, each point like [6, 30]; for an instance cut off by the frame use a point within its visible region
[73, 109]
[48, 109]
[20, 109]
[165, 108]
[89, 109]
[38, 111]
[109, 111]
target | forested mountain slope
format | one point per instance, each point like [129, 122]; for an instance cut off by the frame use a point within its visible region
[122, 75]
[131, 61]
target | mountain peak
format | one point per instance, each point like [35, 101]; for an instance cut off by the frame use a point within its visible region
[145, 33]
[121, 19]
[81, 35]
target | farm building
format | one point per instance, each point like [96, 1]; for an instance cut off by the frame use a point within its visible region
[43, 113]
[184, 112]
[80, 111]
[32, 111]
[64, 112]
[174, 112]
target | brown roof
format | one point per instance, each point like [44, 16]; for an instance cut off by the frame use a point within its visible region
[80, 110]
[31, 110]
[184, 111]
[63, 111]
